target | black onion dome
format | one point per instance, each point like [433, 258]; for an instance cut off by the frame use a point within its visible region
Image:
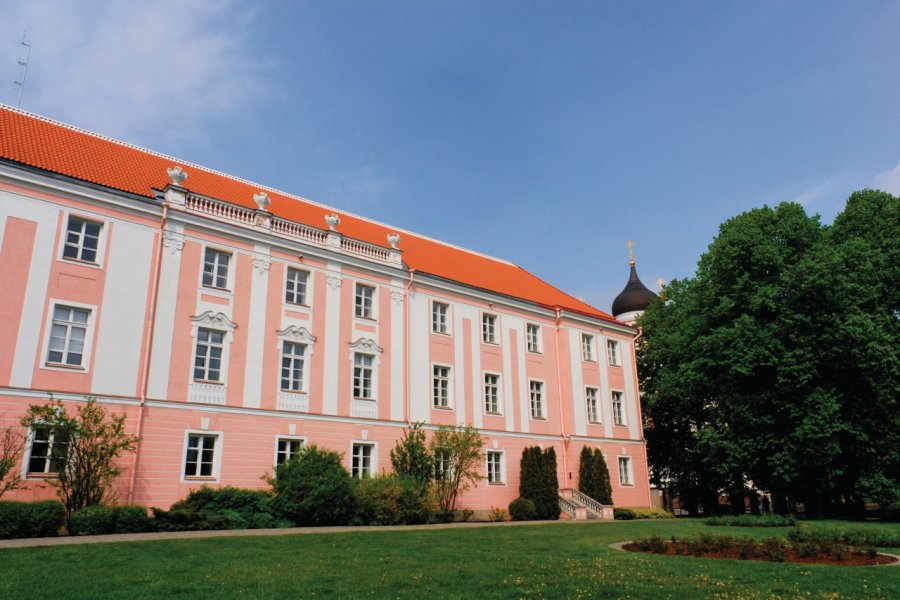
[634, 297]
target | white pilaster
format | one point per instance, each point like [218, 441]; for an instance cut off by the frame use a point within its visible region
[333, 350]
[167, 299]
[605, 399]
[631, 398]
[419, 394]
[477, 377]
[578, 406]
[256, 326]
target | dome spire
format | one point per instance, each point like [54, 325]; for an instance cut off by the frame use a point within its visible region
[630, 245]
[635, 297]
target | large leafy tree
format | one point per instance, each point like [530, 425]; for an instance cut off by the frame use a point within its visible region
[776, 365]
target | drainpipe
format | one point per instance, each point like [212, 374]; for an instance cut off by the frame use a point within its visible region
[562, 415]
[148, 345]
[412, 275]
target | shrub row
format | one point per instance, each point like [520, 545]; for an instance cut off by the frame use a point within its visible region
[856, 538]
[31, 519]
[99, 520]
[628, 514]
[752, 521]
[771, 548]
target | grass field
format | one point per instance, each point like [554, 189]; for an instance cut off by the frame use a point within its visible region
[559, 560]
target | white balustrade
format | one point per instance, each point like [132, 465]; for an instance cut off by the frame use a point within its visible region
[207, 393]
[293, 401]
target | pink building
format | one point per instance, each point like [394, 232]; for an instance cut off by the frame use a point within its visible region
[232, 323]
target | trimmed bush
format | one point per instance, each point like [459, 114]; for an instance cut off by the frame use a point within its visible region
[853, 537]
[392, 500]
[93, 520]
[627, 514]
[624, 514]
[313, 488]
[131, 519]
[188, 520]
[245, 509]
[31, 519]
[521, 509]
[752, 521]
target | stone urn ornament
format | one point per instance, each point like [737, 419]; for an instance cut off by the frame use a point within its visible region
[177, 175]
[332, 221]
[394, 240]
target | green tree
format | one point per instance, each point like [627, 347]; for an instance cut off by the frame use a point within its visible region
[602, 486]
[411, 457]
[550, 487]
[86, 449]
[776, 363]
[586, 472]
[531, 478]
[460, 446]
[314, 488]
[12, 444]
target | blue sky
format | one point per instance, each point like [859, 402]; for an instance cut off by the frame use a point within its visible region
[545, 133]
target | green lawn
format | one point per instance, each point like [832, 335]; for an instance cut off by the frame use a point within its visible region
[560, 560]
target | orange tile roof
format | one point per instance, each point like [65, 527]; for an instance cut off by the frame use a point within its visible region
[58, 148]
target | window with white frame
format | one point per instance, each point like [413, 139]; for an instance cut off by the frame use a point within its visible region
[287, 448]
[361, 460]
[533, 337]
[215, 269]
[590, 399]
[68, 335]
[208, 355]
[612, 352]
[587, 347]
[495, 470]
[440, 317]
[492, 393]
[45, 451]
[292, 366]
[82, 240]
[443, 464]
[200, 455]
[295, 286]
[625, 471]
[489, 328]
[440, 386]
[362, 375]
[618, 410]
[363, 301]
[536, 393]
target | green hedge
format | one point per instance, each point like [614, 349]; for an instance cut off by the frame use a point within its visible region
[31, 519]
[854, 537]
[100, 520]
[752, 521]
[392, 500]
[627, 514]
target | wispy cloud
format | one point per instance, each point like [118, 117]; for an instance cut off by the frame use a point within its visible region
[132, 70]
[888, 181]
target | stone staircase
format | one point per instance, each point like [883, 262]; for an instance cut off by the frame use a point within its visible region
[581, 506]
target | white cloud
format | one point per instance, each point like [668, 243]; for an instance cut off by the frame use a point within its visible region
[888, 181]
[133, 70]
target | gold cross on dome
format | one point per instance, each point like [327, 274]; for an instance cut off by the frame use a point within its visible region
[630, 245]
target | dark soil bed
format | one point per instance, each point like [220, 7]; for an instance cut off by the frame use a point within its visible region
[790, 555]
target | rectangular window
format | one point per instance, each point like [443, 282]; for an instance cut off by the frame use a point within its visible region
[361, 461]
[443, 464]
[82, 240]
[208, 357]
[439, 314]
[292, 361]
[491, 393]
[287, 449]
[625, 470]
[68, 333]
[612, 352]
[215, 269]
[536, 391]
[363, 301]
[362, 376]
[533, 337]
[200, 458]
[489, 329]
[441, 386]
[44, 445]
[590, 398]
[295, 286]
[494, 466]
[587, 347]
[618, 410]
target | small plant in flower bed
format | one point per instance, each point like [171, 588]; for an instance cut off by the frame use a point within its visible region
[752, 521]
[772, 549]
[498, 514]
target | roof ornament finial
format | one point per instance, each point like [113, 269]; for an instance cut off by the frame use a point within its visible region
[177, 175]
[630, 245]
[332, 221]
[262, 200]
[393, 239]
[660, 283]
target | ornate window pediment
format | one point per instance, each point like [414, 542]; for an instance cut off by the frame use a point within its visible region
[366, 345]
[299, 335]
[214, 321]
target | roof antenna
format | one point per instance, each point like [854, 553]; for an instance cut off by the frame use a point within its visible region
[23, 66]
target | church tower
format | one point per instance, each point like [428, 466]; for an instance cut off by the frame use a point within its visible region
[634, 299]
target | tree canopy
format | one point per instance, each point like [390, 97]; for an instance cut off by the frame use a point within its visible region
[776, 366]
